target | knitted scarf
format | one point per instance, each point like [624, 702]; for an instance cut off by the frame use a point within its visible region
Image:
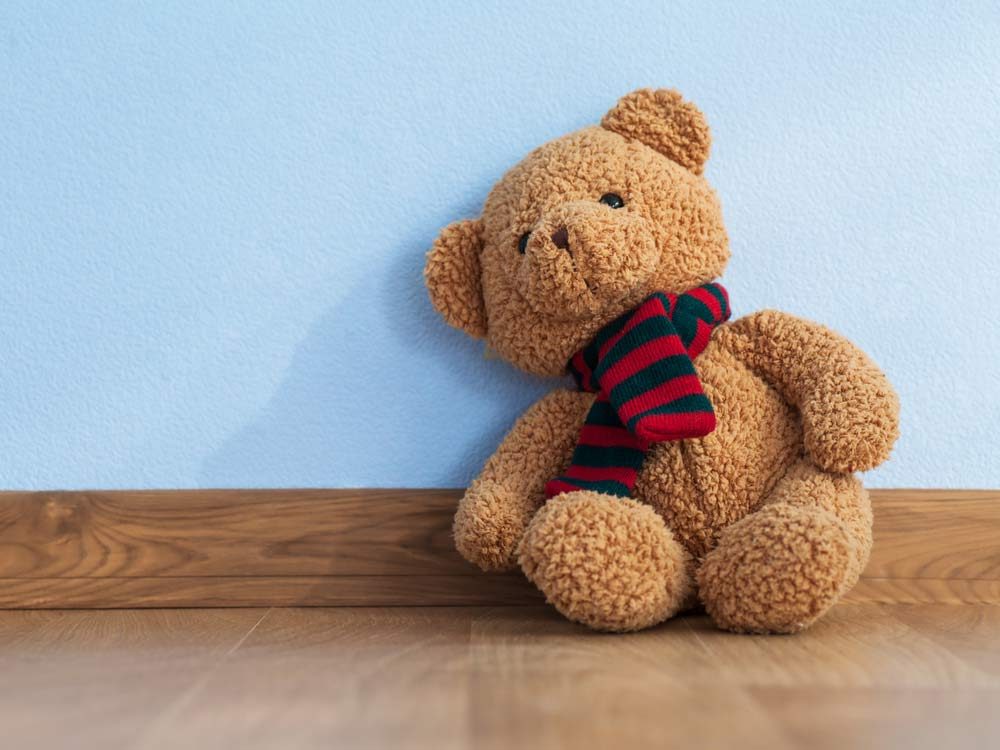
[640, 365]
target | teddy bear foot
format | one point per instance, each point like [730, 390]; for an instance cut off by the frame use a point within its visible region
[778, 570]
[607, 562]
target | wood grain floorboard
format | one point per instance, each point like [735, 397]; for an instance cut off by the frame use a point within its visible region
[227, 532]
[936, 534]
[870, 675]
[924, 591]
[275, 591]
[92, 679]
[383, 547]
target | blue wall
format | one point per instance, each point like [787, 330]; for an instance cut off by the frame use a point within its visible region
[213, 218]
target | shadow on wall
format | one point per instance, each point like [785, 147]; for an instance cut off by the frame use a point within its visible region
[350, 413]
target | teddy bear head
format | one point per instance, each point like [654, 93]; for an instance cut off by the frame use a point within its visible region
[582, 230]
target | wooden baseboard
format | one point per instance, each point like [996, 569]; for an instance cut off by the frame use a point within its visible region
[242, 548]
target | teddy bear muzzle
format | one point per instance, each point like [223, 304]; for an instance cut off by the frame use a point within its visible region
[585, 258]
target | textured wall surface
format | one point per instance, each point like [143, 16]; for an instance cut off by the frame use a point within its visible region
[213, 218]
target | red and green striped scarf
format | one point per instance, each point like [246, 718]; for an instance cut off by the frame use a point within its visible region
[641, 367]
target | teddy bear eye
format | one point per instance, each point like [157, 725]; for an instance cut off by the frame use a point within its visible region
[522, 244]
[612, 199]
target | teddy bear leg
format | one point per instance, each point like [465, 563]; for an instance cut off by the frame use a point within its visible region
[781, 568]
[608, 562]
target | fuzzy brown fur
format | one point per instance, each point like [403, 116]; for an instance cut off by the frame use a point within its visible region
[761, 520]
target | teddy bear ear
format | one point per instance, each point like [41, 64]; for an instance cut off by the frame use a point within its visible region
[453, 276]
[662, 120]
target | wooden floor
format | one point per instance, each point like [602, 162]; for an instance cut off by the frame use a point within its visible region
[870, 675]
[910, 660]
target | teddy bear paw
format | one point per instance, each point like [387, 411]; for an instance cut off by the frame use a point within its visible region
[489, 523]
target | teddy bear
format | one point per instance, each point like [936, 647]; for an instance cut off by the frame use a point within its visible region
[698, 461]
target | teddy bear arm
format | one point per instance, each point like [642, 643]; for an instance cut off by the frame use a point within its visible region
[850, 412]
[496, 509]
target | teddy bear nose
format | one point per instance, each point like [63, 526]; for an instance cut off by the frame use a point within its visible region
[560, 238]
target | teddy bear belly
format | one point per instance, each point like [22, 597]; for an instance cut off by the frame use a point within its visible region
[701, 486]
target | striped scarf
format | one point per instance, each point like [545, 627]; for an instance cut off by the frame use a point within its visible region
[640, 365]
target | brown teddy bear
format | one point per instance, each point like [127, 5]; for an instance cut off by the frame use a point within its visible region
[698, 460]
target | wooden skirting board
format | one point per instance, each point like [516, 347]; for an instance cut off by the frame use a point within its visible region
[254, 548]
